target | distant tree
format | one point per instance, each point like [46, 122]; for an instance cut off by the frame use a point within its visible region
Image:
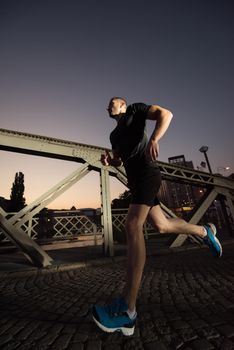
[73, 208]
[17, 200]
[123, 201]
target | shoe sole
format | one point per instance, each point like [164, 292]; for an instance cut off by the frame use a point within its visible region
[124, 330]
[214, 230]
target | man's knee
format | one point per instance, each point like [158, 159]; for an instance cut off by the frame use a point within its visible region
[133, 226]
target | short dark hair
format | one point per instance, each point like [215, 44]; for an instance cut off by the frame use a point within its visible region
[119, 98]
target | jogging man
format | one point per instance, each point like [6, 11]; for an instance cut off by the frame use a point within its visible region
[131, 148]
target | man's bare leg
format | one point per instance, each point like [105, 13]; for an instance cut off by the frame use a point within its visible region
[173, 225]
[136, 217]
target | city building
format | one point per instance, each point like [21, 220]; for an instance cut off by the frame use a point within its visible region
[180, 197]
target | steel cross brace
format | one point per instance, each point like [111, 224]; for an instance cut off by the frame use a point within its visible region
[31, 250]
[30, 210]
[12, 226]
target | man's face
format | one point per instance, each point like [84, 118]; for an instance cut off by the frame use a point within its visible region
[114, 107]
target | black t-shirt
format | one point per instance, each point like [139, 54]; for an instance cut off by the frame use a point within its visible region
[129, 137]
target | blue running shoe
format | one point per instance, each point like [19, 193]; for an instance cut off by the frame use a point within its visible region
[212, 241]
[114, 317]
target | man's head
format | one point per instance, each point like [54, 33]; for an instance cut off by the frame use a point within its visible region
[117, 105]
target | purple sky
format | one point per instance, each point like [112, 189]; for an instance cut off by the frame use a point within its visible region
[61, 61]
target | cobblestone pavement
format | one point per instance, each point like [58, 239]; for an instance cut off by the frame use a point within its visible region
[186, 302]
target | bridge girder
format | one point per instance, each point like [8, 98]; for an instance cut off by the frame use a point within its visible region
[89, 157]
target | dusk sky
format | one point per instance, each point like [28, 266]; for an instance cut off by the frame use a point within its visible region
[61, 61]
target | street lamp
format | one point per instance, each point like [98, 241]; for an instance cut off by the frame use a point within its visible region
[204, 150]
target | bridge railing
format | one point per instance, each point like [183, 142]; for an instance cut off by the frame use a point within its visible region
[63, 227]
[59, 227]
[118, 221]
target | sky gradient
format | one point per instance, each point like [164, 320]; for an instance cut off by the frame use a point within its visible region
[61, 61]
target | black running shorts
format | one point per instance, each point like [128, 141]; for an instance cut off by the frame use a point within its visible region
[144, 183]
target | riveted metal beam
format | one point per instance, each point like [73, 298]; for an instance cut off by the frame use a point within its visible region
[32, 209]
[29, 248]
[106, 212]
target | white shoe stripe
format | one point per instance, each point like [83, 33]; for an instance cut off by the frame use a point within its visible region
[125, 330]
[213, 228]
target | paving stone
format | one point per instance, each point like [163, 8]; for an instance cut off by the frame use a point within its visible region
[76, 346]
[56, 328]
[226, 303]
[25, 346]
[163, 330]
[11, 345]
[80, 337]
[201, 344]
[187, 334]
[25, 332]
[179, 324]
[226, 330]
[61, 342]
[227, 315]
[188, 315]
[38, 334]
[48, 339]
[208, 332]
[173, 316]
[5, 326]
[155, 345]
[223, 344]
[132, 343]
[160, 322]
[69, 329]
[116, 337]
[5, 339]
[148, 332]
[198, 323]
[168, 309]
[113, 347]
[213, 320]
[94, 345]
[174, 341]
[38, 346]
[14, 330]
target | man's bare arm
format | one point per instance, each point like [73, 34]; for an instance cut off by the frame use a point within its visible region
[163, 118]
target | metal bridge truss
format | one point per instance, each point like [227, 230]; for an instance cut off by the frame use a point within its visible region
[89, 157]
